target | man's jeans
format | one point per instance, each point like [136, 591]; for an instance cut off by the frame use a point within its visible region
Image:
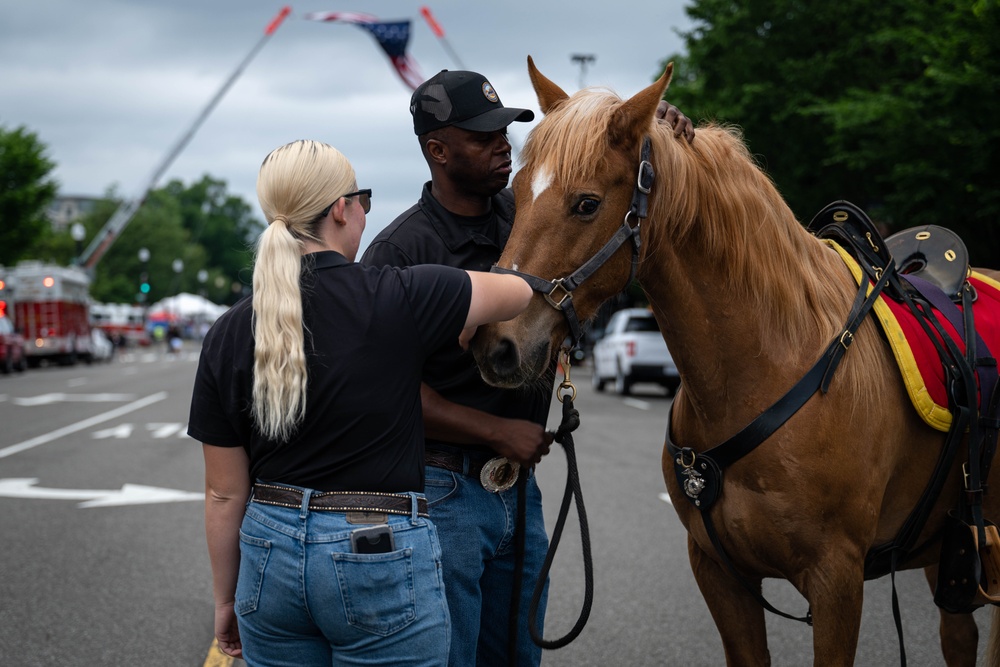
[476, 529]
[304, 598]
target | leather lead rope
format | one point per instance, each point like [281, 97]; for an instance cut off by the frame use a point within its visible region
[564, 436]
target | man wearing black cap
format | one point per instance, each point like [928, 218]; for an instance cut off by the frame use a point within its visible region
[478, 438]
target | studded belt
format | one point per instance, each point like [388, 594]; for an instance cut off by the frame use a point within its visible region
[339, 501]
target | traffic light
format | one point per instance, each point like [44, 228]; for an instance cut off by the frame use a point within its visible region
[144, 283]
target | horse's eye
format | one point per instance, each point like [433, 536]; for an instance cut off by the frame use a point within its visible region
[587, 206]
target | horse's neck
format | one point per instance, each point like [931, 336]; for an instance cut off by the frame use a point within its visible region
[729, 347]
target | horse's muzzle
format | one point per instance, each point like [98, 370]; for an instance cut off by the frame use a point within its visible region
[503, 363]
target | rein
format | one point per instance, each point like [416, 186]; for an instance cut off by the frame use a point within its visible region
[559, 292]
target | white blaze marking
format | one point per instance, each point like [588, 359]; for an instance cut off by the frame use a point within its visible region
[541, 182]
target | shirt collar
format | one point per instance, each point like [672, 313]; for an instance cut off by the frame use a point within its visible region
[454, 236]
[324, 259]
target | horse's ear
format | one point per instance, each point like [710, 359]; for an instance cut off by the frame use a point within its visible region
[549, 94]
[632, 119]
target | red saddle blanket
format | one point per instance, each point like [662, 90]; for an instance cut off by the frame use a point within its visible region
[915, 353]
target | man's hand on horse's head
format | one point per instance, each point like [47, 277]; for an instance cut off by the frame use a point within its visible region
[682, 124]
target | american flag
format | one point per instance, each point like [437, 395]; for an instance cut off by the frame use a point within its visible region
[392, 36]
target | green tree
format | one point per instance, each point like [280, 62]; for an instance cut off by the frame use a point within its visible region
[221, 223]
[25, 192]
[889, 105]
[201, 229]
[223, 226]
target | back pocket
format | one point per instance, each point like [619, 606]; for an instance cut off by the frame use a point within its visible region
[377, 589]
[253, 559]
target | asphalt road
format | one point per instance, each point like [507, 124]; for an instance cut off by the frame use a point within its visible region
[103, 563]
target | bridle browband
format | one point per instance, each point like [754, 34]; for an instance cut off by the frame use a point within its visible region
[559, 292]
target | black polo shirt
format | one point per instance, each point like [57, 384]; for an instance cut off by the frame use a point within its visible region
[368, 333]
[427, 233]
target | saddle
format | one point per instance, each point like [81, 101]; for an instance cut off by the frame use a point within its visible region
[931, 283]
[934, 254]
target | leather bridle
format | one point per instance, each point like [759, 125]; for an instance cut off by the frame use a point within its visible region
[559, 292]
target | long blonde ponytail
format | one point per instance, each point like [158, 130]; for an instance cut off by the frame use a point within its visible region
[296, 183]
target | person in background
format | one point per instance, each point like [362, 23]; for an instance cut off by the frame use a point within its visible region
[479, 438]
[307, 402]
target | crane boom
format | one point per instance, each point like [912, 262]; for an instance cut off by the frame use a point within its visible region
[113, 228]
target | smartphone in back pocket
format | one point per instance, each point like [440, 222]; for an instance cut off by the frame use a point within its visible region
[373, 540]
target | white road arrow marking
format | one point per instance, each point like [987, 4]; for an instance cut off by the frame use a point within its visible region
[58, 397]
[129, 494]
[122, 431]
[86, 423]
[163, 430]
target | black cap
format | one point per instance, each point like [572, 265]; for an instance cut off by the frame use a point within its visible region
[463, 99]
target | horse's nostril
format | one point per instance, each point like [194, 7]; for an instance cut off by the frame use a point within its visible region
[503, 357]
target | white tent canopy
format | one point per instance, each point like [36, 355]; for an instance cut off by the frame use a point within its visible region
[189, 307]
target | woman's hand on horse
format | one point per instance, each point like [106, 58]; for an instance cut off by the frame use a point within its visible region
[682, 124]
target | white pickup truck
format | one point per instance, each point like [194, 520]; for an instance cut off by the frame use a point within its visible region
[632, 350]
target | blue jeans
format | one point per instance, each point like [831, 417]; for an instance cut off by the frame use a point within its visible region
[476, 528]
[303, 598]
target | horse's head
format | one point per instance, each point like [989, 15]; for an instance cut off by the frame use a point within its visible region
[573, 193]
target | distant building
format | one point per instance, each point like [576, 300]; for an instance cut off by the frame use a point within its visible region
[65, 209]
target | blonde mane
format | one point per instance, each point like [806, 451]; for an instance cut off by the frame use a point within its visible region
[710, 198]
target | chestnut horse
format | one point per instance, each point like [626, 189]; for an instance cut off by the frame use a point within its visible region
[747, 300]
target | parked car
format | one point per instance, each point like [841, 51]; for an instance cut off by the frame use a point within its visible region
[12, 351]
[633, 350]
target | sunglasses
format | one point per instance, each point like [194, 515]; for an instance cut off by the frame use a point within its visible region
[364, 196]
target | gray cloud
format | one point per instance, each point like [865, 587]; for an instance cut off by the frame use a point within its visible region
[111, 85]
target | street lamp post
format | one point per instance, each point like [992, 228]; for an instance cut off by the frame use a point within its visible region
[202, 279]
[583, 59]
[78, 232]
[178, 266]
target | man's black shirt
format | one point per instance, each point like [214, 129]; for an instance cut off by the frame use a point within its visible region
[427, 233]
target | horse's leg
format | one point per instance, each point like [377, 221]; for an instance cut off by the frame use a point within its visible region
[959, 633]
[738, 616]
[834, 586]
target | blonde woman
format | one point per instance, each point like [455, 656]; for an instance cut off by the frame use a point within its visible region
[307, 400]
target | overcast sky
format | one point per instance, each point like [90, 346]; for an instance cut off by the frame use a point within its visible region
[110, 86]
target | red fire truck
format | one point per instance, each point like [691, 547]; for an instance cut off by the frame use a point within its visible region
[123, 320]
[51, 307]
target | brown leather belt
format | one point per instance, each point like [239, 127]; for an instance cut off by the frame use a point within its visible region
[339, 501]
[495, 474]
[455, 461]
